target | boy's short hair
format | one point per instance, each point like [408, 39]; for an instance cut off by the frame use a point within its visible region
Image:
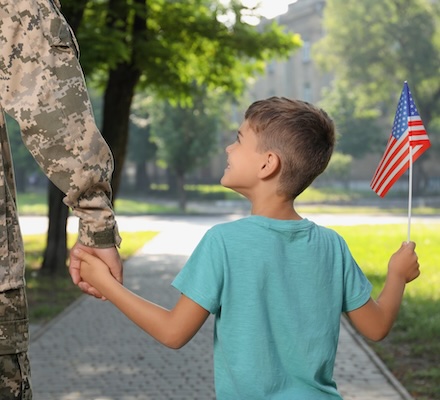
[301, 134]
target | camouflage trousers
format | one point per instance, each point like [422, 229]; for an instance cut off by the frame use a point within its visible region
[14, 341]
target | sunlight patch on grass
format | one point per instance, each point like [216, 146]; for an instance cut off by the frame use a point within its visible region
[137, 207]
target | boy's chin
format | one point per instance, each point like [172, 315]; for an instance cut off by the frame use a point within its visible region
[225, 184]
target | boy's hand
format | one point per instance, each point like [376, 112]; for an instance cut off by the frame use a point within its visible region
[109, 256]
[92, 270]
[404, 263]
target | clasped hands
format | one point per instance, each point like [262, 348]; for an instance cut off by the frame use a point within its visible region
[108, 257]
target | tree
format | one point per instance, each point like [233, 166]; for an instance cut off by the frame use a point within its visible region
[376, 46]
[357, 130]
[165, 46]
[338, 169]
[141, 146]
[187, 136]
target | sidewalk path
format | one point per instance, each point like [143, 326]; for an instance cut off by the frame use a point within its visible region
[92, 352]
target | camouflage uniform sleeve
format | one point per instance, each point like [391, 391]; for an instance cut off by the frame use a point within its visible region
[42, 86]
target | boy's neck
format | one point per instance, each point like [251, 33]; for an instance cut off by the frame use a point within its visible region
[281, 209]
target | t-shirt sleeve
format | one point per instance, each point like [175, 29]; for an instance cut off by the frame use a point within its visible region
[357, 287]
[202, 277]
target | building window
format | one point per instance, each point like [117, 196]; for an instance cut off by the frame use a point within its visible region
[271, 68]
[306, 57]
[288, 72]
[307, 92]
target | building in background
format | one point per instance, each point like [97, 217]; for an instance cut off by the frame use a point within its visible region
[298, 76]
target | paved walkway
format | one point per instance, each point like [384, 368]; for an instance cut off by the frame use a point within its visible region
[92, 352]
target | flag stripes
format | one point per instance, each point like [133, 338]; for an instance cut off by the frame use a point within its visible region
[408, 132]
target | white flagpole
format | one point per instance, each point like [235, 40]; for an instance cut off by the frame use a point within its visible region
[410, 191]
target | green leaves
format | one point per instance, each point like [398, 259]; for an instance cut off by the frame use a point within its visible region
[175, 50]
[187, 135]
[372, 48]
[177, 43]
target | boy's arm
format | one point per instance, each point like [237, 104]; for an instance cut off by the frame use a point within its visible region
[173, 328]
[375, 319]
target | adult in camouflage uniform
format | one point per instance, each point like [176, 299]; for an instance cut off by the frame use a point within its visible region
[42, 87]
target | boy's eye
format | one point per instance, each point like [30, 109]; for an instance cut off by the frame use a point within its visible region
[238, 138]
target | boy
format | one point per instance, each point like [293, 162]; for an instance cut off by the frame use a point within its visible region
[276, 283]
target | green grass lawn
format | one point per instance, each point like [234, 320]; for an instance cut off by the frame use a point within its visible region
[312, 201]
[412, 350]
[36, 204]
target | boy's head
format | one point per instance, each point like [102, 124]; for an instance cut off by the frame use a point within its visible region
[301, 134]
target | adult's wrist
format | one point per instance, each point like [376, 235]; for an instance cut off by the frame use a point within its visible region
[99, 239]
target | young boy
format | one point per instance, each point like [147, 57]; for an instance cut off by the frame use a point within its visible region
[277, 283]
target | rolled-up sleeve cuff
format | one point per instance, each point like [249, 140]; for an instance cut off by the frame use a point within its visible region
[102, 239]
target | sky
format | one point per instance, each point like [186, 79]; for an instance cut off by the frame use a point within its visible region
[271, 8]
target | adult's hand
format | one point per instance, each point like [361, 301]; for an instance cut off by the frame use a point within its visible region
[110, 256]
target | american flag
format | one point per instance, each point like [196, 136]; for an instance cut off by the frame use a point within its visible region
[408, 131]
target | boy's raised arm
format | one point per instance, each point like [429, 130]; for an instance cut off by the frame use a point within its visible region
[375, 319]
[173, 328]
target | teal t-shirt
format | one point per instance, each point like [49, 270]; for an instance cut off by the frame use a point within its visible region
[277, 289]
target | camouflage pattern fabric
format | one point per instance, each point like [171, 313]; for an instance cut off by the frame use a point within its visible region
[14, 338]
[15, 377]
[42, 87]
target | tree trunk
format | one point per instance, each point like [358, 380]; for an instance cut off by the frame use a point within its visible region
[20, 180]
[420, 178]
[73, 12]
[117, 103]
[55, 255]
[181, 191]
[172, 183]
[121, 85]
[142, 180]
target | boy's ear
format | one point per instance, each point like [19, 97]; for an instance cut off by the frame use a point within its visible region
[270, 166]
